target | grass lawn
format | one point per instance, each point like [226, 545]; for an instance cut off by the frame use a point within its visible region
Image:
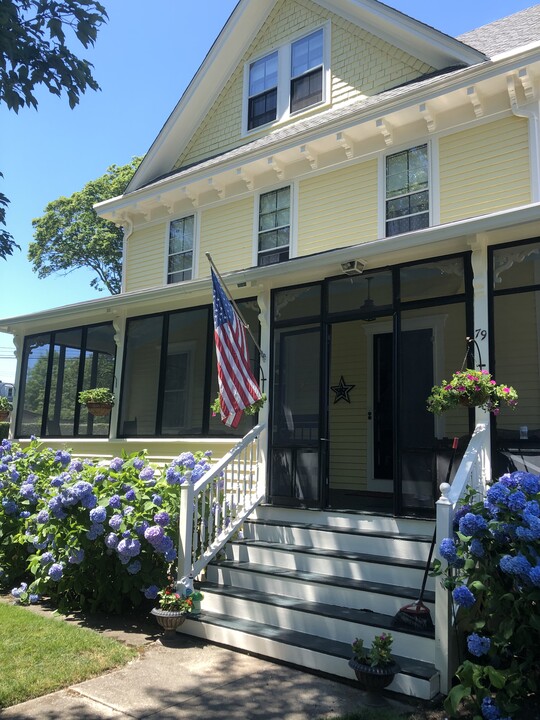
[39, 655]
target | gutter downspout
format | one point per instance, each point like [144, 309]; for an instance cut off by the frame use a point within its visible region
[531, 112]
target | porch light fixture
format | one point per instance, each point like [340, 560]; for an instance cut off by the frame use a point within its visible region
[353, 267]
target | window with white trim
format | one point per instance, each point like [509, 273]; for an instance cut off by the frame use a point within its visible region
[181, 240]
[287, 80]
[407, 191]
[274, 226]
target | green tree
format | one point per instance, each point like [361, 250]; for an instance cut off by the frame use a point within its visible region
[34, 53]
[70, 235]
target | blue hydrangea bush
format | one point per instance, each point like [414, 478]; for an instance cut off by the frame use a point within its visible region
[89, 535]
[493, 573]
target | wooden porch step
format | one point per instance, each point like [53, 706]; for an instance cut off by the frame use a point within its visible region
[416, 678]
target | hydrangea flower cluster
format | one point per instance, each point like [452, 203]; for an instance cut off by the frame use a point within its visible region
[493, 572]
[77, 523]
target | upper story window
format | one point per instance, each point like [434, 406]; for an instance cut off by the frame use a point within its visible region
[407, 191]
[263, 83]
[307, 71]
[181, 239]
[287, 80]
[274, 226]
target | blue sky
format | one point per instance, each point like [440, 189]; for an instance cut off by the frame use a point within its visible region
[143, 60]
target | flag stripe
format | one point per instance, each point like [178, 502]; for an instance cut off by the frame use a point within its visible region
[237, 386]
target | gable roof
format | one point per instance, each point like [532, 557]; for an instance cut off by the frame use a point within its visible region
[424, 42]
[506, 34]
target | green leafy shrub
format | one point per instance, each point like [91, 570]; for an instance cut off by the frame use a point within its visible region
[493, 573]
[97, 536]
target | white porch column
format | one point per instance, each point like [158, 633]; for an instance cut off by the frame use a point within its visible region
[263, 300]
[119, 325]
[445, 650]
[18, 342]
[479, 261]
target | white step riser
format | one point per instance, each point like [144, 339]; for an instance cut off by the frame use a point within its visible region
[332, 567]
[308, 659]
[299, 589]
[309, 537]
[416, 648]
[354, 521]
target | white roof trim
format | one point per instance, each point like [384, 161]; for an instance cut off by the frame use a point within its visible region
[420, 40]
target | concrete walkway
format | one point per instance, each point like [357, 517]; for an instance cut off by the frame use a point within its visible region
[186, 678]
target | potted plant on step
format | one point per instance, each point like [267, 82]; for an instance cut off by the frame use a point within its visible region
[471, 388]
[374, 668]
[172, 609]
[99, 401]
[5, 408]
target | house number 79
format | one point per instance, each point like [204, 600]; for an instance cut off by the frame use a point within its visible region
[480, 334]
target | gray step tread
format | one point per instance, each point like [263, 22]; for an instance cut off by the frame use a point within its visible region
[360, 617]
[344, 530]
[334, 581]
[338, 554]
[415, 668]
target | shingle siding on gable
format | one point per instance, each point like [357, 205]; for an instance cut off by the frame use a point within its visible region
[361, 65]
[338, 208]
[145, 258]
[484, 169]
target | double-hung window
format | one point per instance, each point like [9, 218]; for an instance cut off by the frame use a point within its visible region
[407, 191]
[287, 80]
[263, 86]
[181, 239]
[307, 71]
[274, 226]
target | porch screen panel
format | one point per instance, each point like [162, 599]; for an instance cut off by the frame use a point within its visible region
[138, 411]
[432, 345]
[295, 416]
[185, 371]
[64, 382]
[33, 384]
[99, 364]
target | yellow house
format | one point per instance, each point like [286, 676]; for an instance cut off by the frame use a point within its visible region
[369, 189]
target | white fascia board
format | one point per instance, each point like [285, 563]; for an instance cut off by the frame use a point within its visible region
[413, 36]
[218, 65]
[500, 220]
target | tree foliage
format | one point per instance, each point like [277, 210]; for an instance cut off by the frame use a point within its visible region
[34, 52]
[70, 235]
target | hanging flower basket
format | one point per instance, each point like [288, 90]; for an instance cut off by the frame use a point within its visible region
[471, 388]
[99, 409]
[373, 678]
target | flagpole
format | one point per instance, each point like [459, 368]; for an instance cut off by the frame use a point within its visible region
[235, 306]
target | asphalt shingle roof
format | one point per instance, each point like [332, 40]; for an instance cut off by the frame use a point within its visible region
[505, 34]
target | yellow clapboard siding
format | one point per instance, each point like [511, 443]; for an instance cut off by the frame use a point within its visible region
[227, 234]
[484, 169]
[360, 64]
[145, 258]
[338, 208]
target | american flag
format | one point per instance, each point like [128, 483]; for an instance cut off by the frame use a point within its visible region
[237, 386]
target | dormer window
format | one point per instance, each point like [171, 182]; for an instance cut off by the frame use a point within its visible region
[288, 80]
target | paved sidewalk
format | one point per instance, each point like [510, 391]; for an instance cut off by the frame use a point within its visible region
[187, 678]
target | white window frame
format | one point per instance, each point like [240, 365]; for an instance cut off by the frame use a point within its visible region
[432, 189]
[194, 264]
[283, 111]
[293, 220]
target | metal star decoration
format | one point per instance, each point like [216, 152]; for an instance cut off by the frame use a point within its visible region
[342, 390]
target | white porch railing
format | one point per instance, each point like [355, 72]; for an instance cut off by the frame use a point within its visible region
[474, 471]
[213, 508]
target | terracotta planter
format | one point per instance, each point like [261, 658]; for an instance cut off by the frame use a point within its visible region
[99, 409]
[373, 678]
[4, 415]
[169, 620]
